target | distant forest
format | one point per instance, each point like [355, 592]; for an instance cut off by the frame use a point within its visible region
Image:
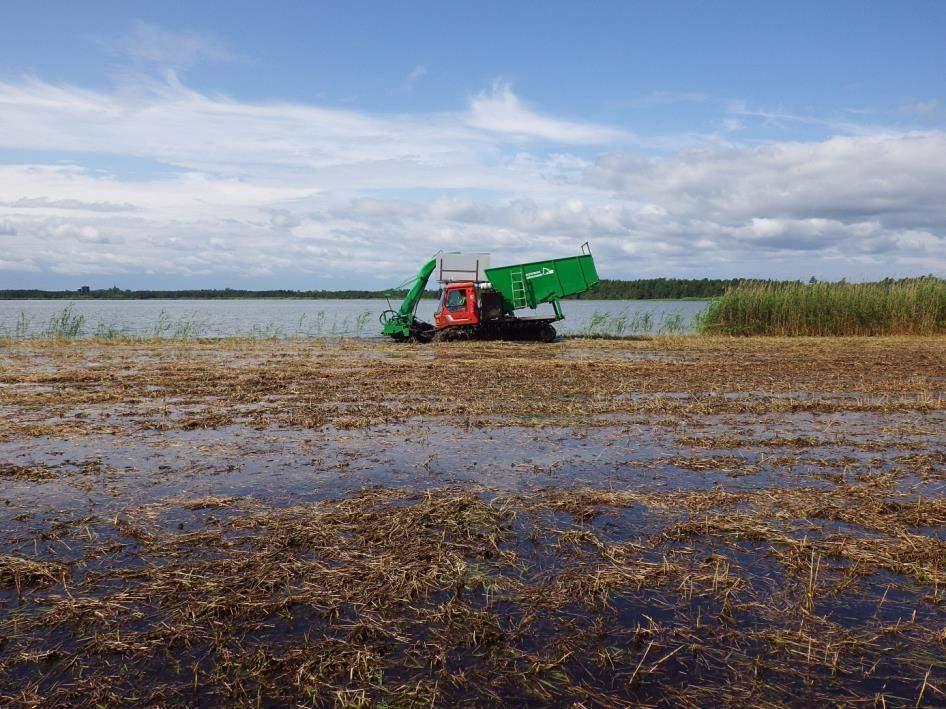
[201, 294]
[642, 289]
[659, 289]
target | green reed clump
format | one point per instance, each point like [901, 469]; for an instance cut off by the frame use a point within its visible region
[361, 322]
[269, 331]
[672, 324]
[915, 306]
[66, 324]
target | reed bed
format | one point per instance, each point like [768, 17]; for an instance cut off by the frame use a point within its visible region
[906, 307]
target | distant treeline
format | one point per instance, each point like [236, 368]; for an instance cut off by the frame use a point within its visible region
[607, 289]
[201, 294]
[660, 288]
[706, 288]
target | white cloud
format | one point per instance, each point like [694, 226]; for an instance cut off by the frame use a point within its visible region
[883, 195]
[283, 219]
[898, 176]
[501, 111]
[306, 192]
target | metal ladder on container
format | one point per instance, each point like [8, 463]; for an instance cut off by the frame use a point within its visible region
[518, 289]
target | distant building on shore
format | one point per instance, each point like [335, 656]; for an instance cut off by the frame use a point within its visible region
[83, 290]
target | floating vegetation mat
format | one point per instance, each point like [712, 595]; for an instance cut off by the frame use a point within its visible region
[752, 522]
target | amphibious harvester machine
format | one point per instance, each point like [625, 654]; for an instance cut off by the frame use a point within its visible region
[478, 302]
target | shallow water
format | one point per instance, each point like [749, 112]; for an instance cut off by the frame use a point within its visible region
[103, 473]
[312, 318]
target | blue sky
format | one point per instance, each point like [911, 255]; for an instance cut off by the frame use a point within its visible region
[334, 145]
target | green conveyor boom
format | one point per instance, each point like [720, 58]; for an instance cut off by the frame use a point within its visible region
[398, 324]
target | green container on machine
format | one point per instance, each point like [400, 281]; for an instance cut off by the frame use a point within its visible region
[527, 285]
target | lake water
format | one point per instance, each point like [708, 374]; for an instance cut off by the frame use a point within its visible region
[305, 317]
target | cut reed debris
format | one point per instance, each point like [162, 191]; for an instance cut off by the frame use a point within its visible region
[197, 386]
[199, 553]
[18, 572]
[430, 597]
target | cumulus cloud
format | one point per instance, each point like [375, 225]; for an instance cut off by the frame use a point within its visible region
[900, 178]
[301, 191]
[844, 197]
[81, 233]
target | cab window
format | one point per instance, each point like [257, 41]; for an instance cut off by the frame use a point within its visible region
[456, 300]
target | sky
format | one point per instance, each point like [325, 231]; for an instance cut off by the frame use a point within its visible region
[313, 145]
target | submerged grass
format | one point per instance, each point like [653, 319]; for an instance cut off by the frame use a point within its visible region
[907, 307]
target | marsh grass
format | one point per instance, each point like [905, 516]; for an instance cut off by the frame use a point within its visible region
[22, 326]
[638, 322]
[908, 307]
[309, 383]
[316, 326]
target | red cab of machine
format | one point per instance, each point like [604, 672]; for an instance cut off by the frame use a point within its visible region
[457, 306]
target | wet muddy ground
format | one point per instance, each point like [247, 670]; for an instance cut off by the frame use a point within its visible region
[691, 521]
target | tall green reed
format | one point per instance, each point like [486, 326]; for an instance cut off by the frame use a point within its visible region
[914, 306]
